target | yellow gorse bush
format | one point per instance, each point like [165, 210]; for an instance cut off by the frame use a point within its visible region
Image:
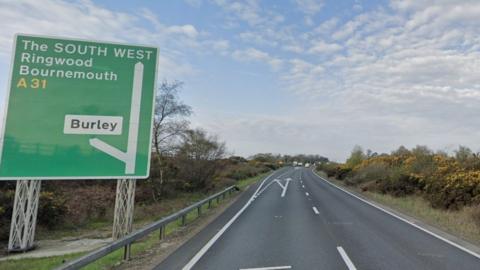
[445, 182]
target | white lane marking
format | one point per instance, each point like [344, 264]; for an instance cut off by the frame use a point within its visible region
[263, 189]
[306, 193]
[284, 188]
[403, 219]
[271, 182]
[345, 258]
[268, 268]
[315, 210]
[303, 186]
[212, 241]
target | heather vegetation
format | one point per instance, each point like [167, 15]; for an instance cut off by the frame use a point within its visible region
[448, 182]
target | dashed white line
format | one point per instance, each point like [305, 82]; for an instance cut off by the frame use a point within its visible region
[269, 268]
[315, 210]
[345, 258]
[306, 193]
[303, 186]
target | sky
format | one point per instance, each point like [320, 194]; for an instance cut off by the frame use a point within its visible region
[294, 76]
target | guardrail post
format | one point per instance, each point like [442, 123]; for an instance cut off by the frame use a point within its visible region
[209, 204]
[199, 210]
[127, 252]
[161, 234]
[218, 199]
[184, 220]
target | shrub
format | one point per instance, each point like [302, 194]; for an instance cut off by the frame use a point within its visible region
[400, 184]
[51, 210]
[370, 172]
[455, 190]
[6, 202]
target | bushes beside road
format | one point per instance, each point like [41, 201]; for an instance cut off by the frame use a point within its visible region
[446, 182]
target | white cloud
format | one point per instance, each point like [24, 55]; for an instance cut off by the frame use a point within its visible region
[407, 76]
[321, 47]
[327, 26]
[257, 39]
[252, 54]
[293, 48]
[247, 11]
[87, 20]
[310, 7]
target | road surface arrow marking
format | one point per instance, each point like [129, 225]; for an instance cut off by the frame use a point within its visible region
[284, 187]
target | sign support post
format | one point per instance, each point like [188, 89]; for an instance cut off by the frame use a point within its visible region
[123, 216]
[124, 204]
[24, 216]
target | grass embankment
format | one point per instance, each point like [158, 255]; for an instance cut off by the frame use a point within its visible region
[459, 223]
[139, 247]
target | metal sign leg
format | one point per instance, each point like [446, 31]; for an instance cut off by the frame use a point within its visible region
[124, 202]
[24, 216]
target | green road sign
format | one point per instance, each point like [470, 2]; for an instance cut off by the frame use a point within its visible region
[78, 110]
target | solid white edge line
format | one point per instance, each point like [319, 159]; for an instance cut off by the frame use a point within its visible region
[346, 259]
[315, 210]
[269, 268]
[403, 219]
[212, 241]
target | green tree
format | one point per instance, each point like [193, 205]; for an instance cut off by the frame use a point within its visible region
[463, 154]
[356, 157]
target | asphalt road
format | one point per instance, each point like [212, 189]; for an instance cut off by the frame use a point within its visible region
[310, 224]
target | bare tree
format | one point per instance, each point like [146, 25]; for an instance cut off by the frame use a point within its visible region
[197, 159]
[168, 126]
[169, 119]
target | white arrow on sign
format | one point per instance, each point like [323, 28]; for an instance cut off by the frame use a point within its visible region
[128, 157]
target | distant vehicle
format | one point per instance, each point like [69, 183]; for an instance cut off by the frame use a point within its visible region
[300, 164]
[307, 165]
[295, 164]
